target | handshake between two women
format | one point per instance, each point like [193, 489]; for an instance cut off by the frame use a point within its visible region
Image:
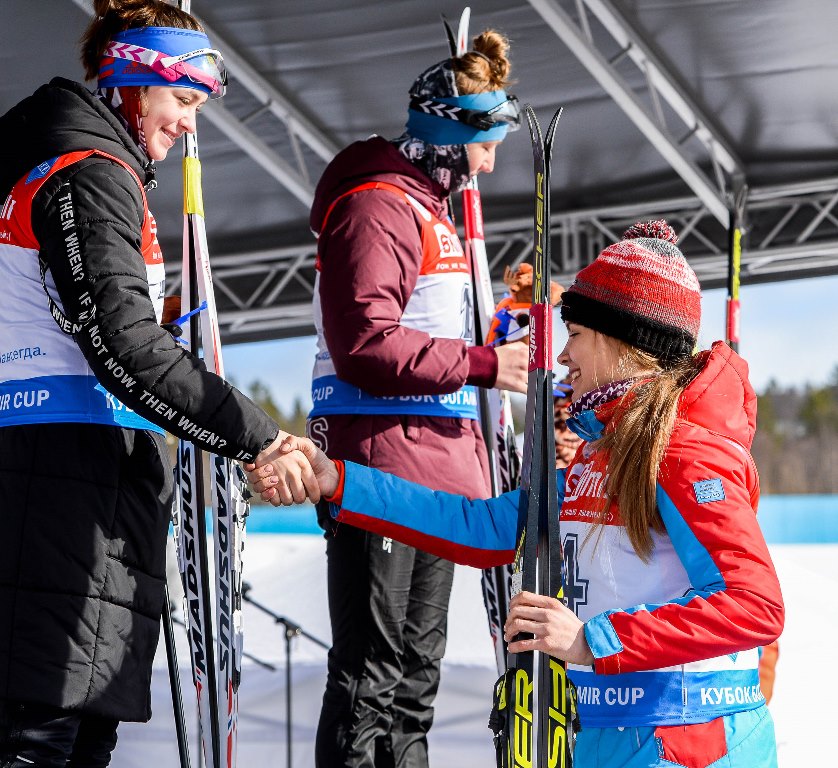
[291, 470]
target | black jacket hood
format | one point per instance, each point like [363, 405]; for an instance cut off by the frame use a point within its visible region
[60, 117]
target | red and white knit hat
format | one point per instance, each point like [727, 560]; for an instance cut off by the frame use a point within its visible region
[641, 291]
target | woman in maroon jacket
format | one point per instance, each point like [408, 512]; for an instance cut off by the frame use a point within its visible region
[394, 388]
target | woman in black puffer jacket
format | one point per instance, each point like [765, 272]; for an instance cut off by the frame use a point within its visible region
[89, 382]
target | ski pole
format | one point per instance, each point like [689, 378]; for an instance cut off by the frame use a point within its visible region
[174, 681]
[736, 233]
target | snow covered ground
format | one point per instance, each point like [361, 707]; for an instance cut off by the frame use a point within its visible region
[287, 573]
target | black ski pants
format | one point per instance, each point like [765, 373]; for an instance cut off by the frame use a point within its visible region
[38, 736]
[389, 609]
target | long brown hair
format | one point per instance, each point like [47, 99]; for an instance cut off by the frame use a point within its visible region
[486, 68]
[113, 16]
[636, 443]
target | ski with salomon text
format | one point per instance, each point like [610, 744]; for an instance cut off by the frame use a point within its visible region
[535, 706]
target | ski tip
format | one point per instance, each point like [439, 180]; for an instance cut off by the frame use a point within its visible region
[532, 122]
[551, 130]
[462, 31]
[449, 34]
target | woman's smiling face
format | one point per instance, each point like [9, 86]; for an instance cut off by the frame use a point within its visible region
[592, 359]
[169, 113]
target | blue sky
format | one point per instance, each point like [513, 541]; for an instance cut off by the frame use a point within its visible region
[789, 332]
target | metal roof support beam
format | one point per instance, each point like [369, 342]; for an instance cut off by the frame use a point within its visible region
[235, 130]
[824, 213]
[623, 96]
[280, 105]
[664, 83]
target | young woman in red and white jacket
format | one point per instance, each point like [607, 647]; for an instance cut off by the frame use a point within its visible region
[669, 585]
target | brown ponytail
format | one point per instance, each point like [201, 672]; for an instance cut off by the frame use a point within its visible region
[637, 444]
[486, 68]
[113, 16]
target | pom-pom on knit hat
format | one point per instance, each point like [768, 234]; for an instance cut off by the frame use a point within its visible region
[641, 291]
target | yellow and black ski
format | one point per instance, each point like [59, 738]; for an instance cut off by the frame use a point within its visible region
[535, 706]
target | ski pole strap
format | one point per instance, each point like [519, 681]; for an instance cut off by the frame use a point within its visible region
[175, 327]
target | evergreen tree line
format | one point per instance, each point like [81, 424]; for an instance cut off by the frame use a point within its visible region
[796, 442]
[293, 422]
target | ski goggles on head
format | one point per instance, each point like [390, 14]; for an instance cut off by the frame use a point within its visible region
[465, 119]
[506, 113]
[126, 62]
[204, 67]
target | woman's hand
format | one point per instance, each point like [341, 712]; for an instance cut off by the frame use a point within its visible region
[513, 363]
[291, 469]
[555, 628]
[281, 475]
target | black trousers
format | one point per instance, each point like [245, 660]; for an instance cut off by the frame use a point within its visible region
[389, 609]
[38, 736]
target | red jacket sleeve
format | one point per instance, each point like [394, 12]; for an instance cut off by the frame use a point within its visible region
[735, 602]
[370, 256]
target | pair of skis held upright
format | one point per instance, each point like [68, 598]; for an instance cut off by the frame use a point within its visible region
[536, 716]
[215, 646]
[556, 722]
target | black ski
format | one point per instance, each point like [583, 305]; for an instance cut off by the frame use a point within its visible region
[537, 720]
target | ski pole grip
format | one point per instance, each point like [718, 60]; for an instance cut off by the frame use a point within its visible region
[541, 337]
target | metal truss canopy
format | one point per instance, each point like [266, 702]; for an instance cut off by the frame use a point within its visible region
[661, 86]
[792, 233]
[651, 60]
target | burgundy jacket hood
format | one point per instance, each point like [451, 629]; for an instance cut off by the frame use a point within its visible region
[374, 159]
[721, 397]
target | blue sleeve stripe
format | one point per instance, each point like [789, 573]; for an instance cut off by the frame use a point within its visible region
[694, 556]
[601, 637]
[481, 526]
